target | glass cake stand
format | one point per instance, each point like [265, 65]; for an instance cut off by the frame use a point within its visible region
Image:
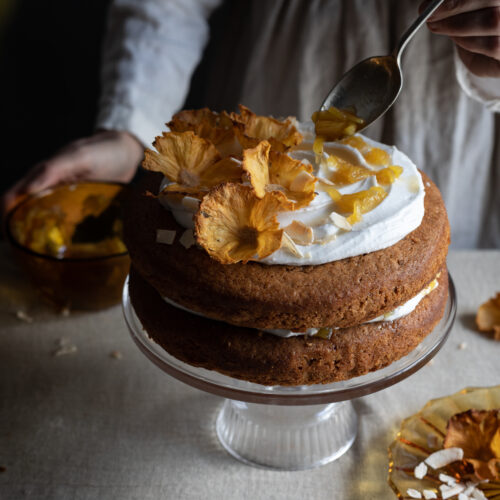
[289, 428]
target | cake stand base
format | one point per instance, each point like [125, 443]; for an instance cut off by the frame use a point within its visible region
[286, 437]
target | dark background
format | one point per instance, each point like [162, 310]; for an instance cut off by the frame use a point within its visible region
[49, 77]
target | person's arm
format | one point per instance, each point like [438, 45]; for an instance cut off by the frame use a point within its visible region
[151, 50]
[474, 26]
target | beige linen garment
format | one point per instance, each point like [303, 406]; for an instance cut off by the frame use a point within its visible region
[281, 57]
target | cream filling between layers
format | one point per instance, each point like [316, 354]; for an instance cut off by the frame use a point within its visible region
[395, 217]
[395, 314]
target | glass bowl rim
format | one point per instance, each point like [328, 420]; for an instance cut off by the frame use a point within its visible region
[14, 242]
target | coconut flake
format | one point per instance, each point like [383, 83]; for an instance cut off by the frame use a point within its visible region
[340, 221]
[301, 180]
[165, 236]
[413, 493]
[444, 457]
[451, 491]
[449, 480]
[429, 494]
[190, 204]
[477, 494]
[288, 244]
[420, 470]
[300, 233]
[187, 239]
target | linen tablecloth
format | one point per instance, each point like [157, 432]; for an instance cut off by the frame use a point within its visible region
[84, 414]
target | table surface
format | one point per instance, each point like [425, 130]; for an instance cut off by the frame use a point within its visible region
[102, 422]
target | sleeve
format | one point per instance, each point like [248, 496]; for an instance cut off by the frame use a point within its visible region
[150, 52]
[484, 90]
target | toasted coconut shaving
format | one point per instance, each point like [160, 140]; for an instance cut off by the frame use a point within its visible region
[300, 233]
[256, 167]
[250, 128]
[289, 245]
[165, 236]
[477, 433]
[340, 221]
[234, 225]
[488, 316]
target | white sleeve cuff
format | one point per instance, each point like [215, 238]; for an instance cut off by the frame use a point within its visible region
[484, 90]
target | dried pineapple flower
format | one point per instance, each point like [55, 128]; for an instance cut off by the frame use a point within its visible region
[477, 432]
[234, 225]
[218, 128]
[488, 317]
[269, 170]
[251, 129]
[296, 177]
[192, 164]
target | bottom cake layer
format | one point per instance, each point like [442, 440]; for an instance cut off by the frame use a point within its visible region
[263, 358]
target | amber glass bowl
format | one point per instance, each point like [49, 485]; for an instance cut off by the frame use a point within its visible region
[81, 282]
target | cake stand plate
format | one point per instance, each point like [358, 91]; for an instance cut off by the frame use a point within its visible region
[289, 428]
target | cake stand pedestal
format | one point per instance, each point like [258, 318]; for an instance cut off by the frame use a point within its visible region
[289, 428]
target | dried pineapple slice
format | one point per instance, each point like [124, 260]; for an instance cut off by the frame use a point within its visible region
[251, 129]
[234, 225]
[296, 177]
[256, 167]
[477, 433]
[218, 128]
[191, 163]
[360, 202]
[269, 170]
[333, 124]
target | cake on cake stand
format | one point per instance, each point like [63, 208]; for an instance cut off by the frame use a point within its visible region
[289, 428]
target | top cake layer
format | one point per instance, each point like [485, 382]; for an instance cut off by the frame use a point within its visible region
[341, 293]
[399, 213]
[349, 227]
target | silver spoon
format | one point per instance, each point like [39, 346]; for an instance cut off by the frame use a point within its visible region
[370, 88]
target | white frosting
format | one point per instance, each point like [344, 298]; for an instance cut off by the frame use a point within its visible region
[395, 314]
[396, 216]
[407, 307]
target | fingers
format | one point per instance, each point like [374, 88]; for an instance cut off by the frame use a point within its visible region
[484, 22]
[486, 45]
[479, 64]
[451, 8]
[46, 174]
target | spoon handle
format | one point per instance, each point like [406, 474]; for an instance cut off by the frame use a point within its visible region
[408, 34]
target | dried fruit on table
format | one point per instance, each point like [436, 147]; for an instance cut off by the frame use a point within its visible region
[488, 316]
[234, 225]
[477, 433]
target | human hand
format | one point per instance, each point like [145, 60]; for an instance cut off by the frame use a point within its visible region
[107, 155]
[474, 26]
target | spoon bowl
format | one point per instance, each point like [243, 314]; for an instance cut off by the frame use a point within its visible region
[370, 88]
